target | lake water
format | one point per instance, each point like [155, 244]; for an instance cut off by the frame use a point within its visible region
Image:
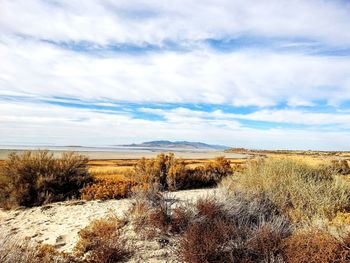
[121, 152]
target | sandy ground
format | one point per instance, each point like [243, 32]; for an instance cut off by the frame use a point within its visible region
[58, 224]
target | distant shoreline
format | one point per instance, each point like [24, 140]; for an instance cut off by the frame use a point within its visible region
[124, 153]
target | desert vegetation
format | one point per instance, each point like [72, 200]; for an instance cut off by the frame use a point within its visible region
[276, 209]
[299, 189]
[36, 178]
[226, 229]
[166, 171]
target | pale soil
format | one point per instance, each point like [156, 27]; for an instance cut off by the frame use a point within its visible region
[58, 224]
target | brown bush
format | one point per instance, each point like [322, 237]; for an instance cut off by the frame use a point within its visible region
[207, 240]
[315, 246]
[345, 250]
[150, 213]
[35, 178]
[181, 218]
[172, 174]
[104, 189]
[101, 242]
[234, 230]
[162, 170]
[155, 215]
[340, 166]
[217, 169]
[267, 242]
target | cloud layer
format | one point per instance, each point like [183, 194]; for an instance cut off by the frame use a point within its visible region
[261, 74]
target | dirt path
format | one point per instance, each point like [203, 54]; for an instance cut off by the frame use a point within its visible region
[58, 224]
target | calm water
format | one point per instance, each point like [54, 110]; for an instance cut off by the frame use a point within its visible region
[121, 152]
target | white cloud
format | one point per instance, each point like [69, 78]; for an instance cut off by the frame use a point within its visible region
[262, 77]
[30, 123]
[299, 117]
[288, 116]
[240, 78]
[152, 21]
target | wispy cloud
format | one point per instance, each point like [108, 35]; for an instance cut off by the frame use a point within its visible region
[264, 73]
[105, 21]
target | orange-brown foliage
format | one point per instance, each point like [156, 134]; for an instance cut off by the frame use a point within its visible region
[104, 189]
[101, 242]
[314, 247]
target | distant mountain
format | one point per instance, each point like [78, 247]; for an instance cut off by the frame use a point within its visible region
[178, 144]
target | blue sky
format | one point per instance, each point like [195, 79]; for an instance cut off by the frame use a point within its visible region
[267, 74]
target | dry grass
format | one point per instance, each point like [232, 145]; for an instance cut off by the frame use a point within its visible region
[23, 251]
[303, 191]
[34, 178]
[101, 242]
[250, 223]
[150, 213]
[117, 179]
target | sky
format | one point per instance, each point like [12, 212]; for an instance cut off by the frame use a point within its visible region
[267, 74]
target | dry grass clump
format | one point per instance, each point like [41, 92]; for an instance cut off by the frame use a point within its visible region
[298, 189]
[315, 246]
[150, 212]
[101, 242]
[35, 178]
[14, 250]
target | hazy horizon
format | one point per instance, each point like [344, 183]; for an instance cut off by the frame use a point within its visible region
[264, 74]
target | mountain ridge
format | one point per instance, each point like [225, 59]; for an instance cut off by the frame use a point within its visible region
[177, 144]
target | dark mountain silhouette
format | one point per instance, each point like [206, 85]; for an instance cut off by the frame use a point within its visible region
[178, 144]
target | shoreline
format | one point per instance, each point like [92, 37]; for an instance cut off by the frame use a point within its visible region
[132, 154]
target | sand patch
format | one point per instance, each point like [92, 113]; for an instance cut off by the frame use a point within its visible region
[58, 224]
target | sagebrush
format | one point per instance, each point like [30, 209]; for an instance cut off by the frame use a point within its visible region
[300, 190]
[231, 228]
[35, 178]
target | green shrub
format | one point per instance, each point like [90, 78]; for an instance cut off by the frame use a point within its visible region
[35, 178]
